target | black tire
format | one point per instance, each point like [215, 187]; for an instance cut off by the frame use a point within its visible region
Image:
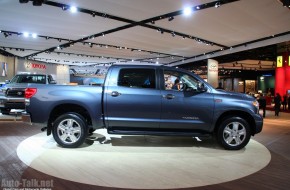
[5, 111]
[233, 133]
[70, 130]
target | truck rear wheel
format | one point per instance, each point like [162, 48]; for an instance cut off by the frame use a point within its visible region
[234, 133]
[70, 130]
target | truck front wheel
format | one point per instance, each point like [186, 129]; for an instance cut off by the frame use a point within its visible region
[233, 133]
[70, 130]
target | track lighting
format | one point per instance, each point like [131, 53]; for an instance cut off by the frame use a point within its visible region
[64, 7]
[286, 3]
[152, 22]
[173, 34]
[217, 4]
[170, 18]
[37, 2]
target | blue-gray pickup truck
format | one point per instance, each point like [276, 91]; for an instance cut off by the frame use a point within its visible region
[141, 100]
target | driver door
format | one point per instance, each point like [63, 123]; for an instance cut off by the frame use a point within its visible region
[187, 108]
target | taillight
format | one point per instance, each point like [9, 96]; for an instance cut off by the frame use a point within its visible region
[29, 92]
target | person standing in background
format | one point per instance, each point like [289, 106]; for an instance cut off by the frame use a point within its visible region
[277, 101]
[262, 103]
[284, 103]
[288, 101]
[176, 85]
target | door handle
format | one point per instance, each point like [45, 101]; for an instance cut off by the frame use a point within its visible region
[115, 93]
[169, 96]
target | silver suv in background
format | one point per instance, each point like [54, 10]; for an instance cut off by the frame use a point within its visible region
[12, 95]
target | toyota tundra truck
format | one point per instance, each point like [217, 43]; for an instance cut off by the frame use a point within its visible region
[12, 95]
[139, 100]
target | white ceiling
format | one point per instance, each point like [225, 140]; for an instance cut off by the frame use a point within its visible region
[205, 31]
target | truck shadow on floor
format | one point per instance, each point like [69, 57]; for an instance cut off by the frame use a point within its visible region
[153, 141]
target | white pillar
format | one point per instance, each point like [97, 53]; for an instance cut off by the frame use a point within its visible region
[212, 72]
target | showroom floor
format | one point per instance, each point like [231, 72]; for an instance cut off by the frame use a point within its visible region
[17, 138]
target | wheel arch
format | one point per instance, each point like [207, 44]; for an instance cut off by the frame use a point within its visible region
[68, 108]
[246, 116]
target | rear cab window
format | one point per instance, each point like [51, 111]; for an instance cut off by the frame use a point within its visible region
[137, 78]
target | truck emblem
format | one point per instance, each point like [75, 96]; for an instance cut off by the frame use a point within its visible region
[19, 93]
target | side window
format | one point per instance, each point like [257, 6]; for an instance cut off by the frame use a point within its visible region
[137, 78]
[40, 79]
[179, 81]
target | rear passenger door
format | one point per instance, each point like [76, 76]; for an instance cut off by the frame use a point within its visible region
[132, 98]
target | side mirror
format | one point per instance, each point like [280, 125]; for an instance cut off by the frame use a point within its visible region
[52, 82]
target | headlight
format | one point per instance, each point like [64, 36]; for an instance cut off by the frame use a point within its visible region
[256, 104]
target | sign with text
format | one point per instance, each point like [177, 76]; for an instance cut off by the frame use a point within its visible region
[280, 61]
[212, 72]
[30, 65]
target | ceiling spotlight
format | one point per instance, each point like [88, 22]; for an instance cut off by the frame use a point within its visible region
[25, 34]
[170, 18]
[93, 14]
[152, 22]
[187, 11]
[197, 7]
[103, 34]
[34, 35]
[73, 9]
[217, 4]
[173, 34]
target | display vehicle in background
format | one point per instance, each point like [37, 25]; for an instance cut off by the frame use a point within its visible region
[139, 100]
[12, 95]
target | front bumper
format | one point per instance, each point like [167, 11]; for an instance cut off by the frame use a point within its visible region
[12, 103]
[259, 123]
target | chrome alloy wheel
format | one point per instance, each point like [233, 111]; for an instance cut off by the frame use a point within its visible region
[234, 133]
[69, 131]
